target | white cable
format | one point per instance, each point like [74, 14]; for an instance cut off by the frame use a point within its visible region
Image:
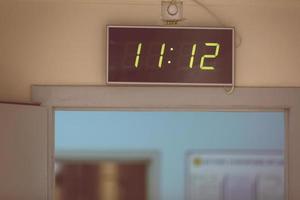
[229, 91]
[209, 11]
[238, 36]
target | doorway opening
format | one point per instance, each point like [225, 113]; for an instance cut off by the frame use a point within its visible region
[192, 155]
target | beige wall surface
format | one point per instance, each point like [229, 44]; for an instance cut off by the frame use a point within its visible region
[64, 42]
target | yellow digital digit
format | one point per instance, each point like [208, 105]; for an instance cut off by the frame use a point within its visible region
[193, 56]
[161, 57]
[138, 53]
[209, 68]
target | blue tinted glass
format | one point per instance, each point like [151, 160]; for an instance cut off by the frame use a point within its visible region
[185, 140]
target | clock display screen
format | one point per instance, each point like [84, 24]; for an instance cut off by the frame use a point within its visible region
[170, 55]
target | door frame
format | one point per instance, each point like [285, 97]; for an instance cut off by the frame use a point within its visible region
[177, 99]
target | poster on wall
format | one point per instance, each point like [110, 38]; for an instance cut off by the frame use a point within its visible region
[246, 175]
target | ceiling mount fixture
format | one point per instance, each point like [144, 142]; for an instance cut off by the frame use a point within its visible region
[172, 11]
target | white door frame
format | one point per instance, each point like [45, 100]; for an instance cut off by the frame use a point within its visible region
[179, 98]
[23, 151]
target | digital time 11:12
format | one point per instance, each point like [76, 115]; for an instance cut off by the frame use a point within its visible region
[160, 61]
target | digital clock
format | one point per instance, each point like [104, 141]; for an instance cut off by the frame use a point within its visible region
[170, 55]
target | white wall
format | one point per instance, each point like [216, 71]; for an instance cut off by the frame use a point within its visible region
[63, 42]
